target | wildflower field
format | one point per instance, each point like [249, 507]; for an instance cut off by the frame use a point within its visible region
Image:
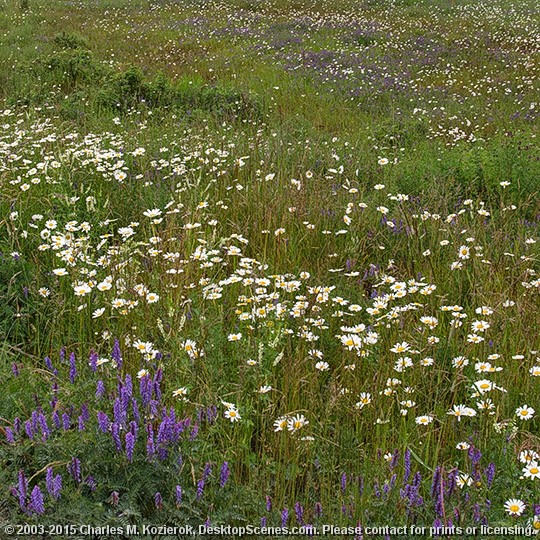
[271, 264]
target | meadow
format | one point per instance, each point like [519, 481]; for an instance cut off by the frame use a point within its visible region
[271, 263]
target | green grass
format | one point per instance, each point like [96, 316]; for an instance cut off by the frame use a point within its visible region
[304, 157]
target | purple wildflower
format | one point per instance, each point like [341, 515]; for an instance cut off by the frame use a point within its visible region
[299, 511]
[407, 465]
[48, 363]
[178, 495]
[115, 431]
[22, 487]
[130, 445]
[490, 473]
[158, 500]
[103, 422]
[200, 488]
[90, 481]
[93, 360]
[116, 354]
[57, 487]
[28, 429]
[284, 517]
[10, 438]
[100, 389]
[150, 447]
[74, 469]
[72, 368]
[224, 474]
[36, 501]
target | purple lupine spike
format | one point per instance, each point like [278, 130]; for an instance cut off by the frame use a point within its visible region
[72, 368]
[36, 501]
[474, 454]
[62, 355]
[194, 432]
[145, 389]
[92, 360]
[17, 425]
[284, 517]
[53, 402]
[28, 429]
[35, 421]
[100, 389]
[15, 369]
[46, 432]
[57, 487]
[299, 511]
[134, 428]
[116, 354]
[56, 419]
[490, 473]
[85, 412]
[22, 487]
[103, 421]
[119, 413]
[130, 445]
[200, 488]
[158, 500]
[394, 460]
[90, 481]
[536, 509]
[318, 510]
[211, 414]
[157, 384]
[10, 437]
[407, 465]
[264, 522]
[153, 407]
[178, 495]
[66, 421]
[48, 363]
[224, 474]
[135, 410]
[115, 432]
[343, 483]
[376, 490]
[207, 471]
[452, 482]
[268, 503]
[49, 480]
[81, 423]
[128, 386]
[74, 469]
[150, 447]
[477, 513]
